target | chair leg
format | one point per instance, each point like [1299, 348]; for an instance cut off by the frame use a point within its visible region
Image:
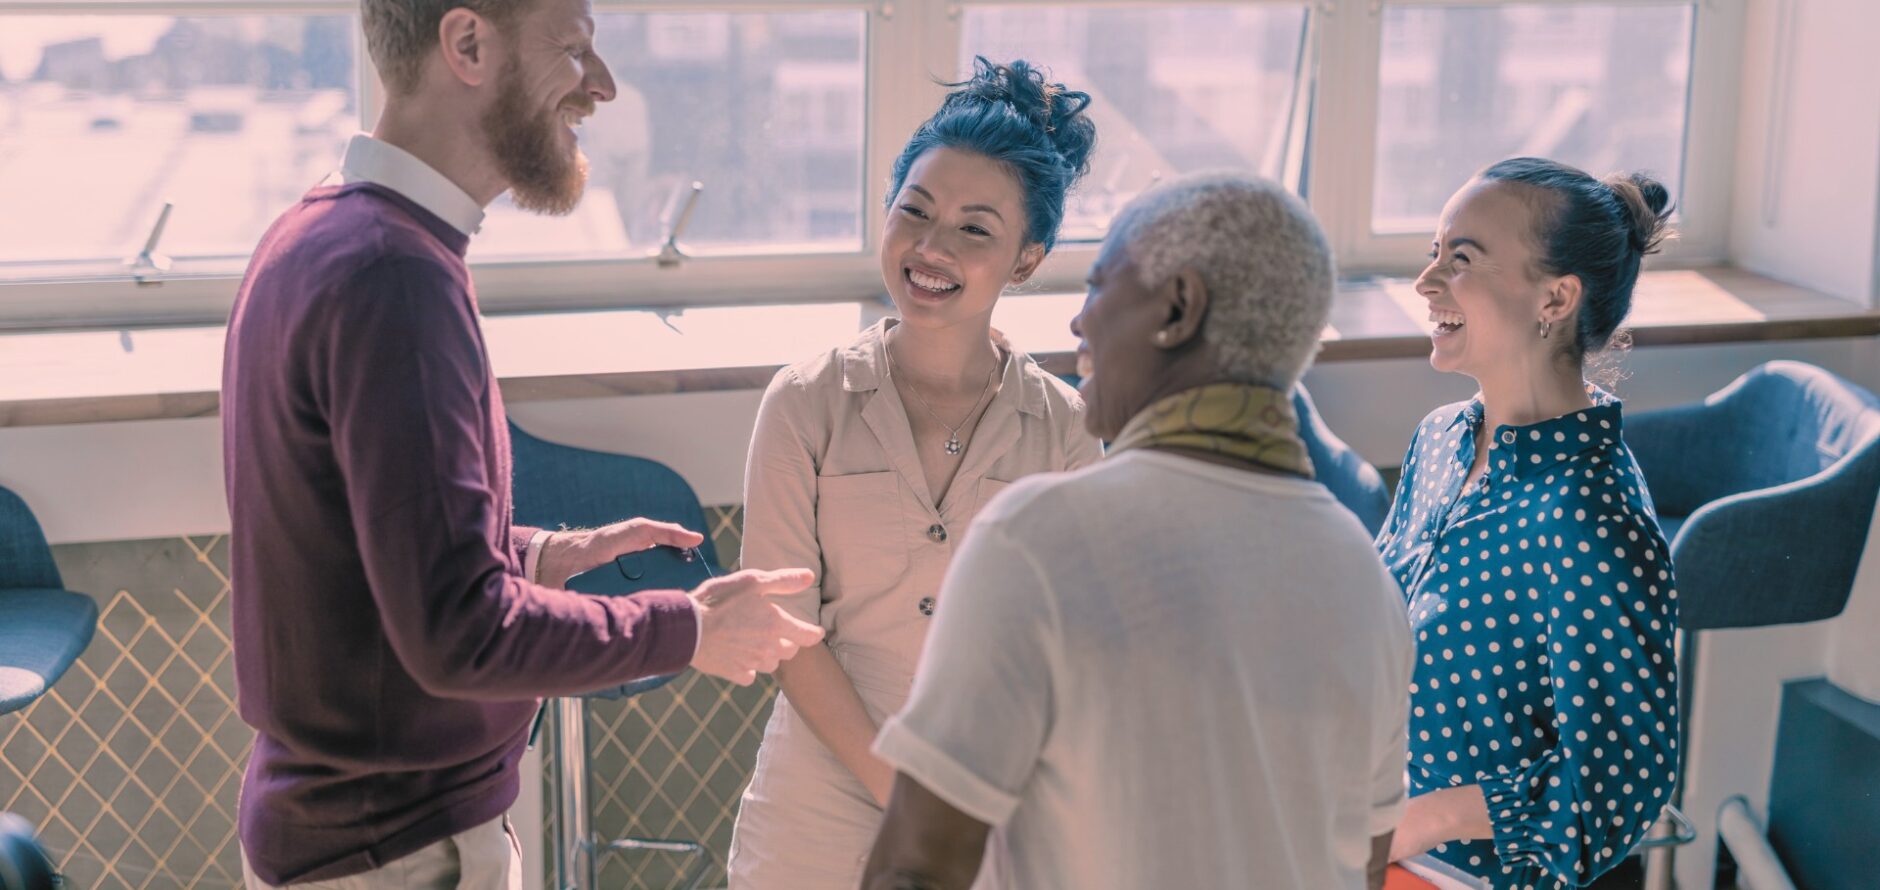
[1663, 860]
[574, 838]
[694, 851]
[577, 851]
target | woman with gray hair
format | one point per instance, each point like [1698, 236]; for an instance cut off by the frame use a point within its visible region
[1194, 660]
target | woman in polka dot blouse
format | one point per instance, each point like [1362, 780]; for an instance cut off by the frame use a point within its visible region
[1543, 728]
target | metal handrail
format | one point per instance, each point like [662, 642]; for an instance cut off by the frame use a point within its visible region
[1757, 866]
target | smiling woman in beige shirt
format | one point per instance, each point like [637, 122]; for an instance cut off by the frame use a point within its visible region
[872, 460]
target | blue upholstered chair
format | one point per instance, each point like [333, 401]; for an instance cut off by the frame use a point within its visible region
[560, 485]
[43, 627]
[1351, 479]
[1765, 491]
[1348, 475]
[24, 864]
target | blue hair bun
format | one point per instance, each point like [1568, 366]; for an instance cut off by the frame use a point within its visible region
[1013, 114]
[1052, 107]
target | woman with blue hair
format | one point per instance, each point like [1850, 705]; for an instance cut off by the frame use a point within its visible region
[872, 460]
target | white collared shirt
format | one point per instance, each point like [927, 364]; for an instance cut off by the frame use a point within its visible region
[381, 163]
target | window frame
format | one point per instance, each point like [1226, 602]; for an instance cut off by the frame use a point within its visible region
[908, 47]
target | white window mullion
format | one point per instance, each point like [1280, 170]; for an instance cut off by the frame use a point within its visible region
[912, 46]
[1344, 133]
[1710, 135]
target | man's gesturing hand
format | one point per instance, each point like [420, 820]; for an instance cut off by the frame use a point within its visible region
[569, 553]
[741, 632]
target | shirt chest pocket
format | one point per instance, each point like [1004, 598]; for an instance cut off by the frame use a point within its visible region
[862, 532]
[989, 488]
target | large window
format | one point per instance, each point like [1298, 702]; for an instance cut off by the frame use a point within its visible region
[105, 118]
[789, 114]
[1173, 89]
[765, 111]
[1601, 87]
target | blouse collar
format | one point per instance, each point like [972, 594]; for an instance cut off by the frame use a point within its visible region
[1520, 450]
[864, 364]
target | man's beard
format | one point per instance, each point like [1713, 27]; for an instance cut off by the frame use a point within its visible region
[543, 178]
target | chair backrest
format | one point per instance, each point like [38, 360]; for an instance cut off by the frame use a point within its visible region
[557, 485]
[1351, 478]
[1790, 421]
[1784, 427]
[25, 560]
[561, 485]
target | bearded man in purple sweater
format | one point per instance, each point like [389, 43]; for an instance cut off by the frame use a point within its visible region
[393, 629]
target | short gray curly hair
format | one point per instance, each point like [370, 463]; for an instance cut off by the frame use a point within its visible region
[1264, 259]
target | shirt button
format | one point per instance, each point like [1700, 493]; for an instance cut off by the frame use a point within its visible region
[1507, 437]
[937, 532]
[926, 606]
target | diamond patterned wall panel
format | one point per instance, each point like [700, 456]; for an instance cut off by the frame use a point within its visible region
[131, 765]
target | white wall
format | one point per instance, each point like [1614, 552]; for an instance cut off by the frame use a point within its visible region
[1807, 202]
[149, 479]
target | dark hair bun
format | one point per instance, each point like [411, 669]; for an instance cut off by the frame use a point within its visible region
[1647, 207]
[1052, 107]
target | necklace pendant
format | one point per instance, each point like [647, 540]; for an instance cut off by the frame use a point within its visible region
[953, 445]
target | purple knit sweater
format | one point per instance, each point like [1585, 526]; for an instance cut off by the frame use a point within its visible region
[388, 652]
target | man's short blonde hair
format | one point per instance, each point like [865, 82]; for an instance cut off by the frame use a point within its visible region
[401, 33]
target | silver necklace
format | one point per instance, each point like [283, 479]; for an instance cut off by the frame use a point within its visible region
[953, 432]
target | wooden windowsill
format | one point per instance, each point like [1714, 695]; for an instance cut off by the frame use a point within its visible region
[67, 377]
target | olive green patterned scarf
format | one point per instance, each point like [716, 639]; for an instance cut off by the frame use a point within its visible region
[1253, 423]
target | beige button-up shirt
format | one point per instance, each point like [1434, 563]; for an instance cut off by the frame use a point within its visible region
[834, 484]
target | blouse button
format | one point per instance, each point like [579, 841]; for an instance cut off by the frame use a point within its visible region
[926, 606]
[937, 532]
[1507, 437]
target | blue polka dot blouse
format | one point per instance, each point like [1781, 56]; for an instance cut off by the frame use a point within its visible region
[1542, 602]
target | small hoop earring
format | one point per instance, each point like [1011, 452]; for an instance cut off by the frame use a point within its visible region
[1546, 327]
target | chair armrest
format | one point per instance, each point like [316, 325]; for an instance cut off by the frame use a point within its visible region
[1778, 555]
[629, 690]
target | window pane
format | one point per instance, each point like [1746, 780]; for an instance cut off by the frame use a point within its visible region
[103, 118]
[1173, 88]
[1601, 88]
[765, 109]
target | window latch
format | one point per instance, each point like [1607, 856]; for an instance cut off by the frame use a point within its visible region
[148, 266]
[669, 256]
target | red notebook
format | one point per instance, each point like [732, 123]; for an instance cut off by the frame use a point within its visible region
[1429, 873]
[1396, 878]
